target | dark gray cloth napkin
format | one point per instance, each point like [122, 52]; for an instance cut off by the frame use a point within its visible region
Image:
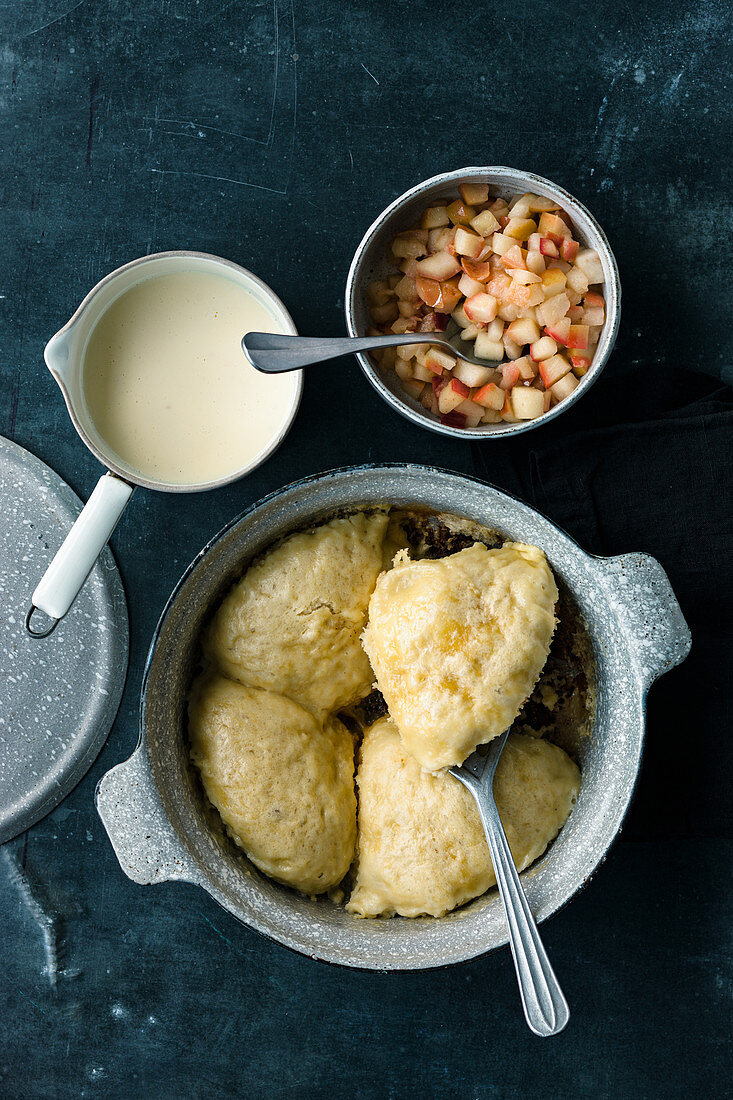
[645, 463]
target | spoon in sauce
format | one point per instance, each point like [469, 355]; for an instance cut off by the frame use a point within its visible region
[545, 1008]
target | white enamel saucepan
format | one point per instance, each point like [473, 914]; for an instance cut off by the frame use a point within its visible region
[65, 356]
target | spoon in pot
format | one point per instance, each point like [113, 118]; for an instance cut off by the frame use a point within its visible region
[545, 1007]
[276, 354]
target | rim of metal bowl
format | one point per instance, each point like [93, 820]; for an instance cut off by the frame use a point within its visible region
[406, 405]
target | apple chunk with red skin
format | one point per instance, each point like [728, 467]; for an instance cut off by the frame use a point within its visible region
[451, 395]
[553, 369]
[481, 308]
[490, 396]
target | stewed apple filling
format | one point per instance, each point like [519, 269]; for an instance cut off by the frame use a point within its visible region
[512, 277]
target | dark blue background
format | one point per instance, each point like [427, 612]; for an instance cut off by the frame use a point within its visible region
[272, 134]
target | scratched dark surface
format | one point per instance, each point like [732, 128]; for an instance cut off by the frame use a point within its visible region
[272, 133]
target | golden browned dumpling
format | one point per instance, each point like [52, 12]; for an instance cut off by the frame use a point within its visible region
[293, 622]
[282, 783]
[458, 644]
[421, 847]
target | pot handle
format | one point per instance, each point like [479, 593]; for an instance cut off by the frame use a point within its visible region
[74, 561]
[129, 805]
[648, 611]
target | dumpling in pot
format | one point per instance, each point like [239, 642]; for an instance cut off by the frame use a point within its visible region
[421, 848]
[283, 783]
[294, 620]
[458, 644]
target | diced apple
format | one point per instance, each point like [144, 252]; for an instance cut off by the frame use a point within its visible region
[429, 400]
[411, 351]
[507, 413]
[527, 369]
[469, 286]
[472, 375]
[523, 277]
[408, 309]
[491, 416]
[593, 300]
[437, 361]
[481, 307]
[450, 296]
[548, 248]
[564, 387]
[559, 331]
[384, 315]
[577, 337]
[460, 213]
[403, 324]
[485, 348]
[379, 292]
[553, 309]
[507, 312]
[439, 240]
[471, 331]
[515, 257]
[501, 243]
[459, 316]
[509, 375]
[471, 411]
[495, 330]
[485, 223]
[538, 203]
[527, 403]
[474, 192]
[468, 243]
[589, 260]
[520, 228]
[524, 296]
[553, 224]
[451, 395]
[413, 388]
[421, 372]
[435, 217]
[406, 289]
[551, 370]
[543, 348]
[580, 360]
[476, 269]
[519, 206]
[523, 331]
[512, 350]
[574, 314]
[453, 419]
[438, 267]
[577, 280]
[406, 247]
[569, 250]
[428, 290]
[594, 316]
[535, 262]
[432, 322]
[553, 282]
[490, 396]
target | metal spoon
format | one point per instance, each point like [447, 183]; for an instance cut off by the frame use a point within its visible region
[545, 1007]
[276, 354]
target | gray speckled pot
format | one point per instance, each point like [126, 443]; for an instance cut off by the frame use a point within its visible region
[154, 813]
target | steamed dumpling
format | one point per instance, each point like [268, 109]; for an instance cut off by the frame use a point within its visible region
[282, 782]
[293, 622]
[458, 644]
[421, 847]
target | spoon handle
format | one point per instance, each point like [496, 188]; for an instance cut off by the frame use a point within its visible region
[276, 354]
[544, 1004]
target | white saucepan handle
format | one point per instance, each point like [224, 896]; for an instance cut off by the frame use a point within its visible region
[74, 561]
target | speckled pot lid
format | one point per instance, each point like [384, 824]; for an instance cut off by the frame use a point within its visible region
[58, 695]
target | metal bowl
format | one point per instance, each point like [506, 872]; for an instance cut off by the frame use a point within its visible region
[371, 262]
[159, 823]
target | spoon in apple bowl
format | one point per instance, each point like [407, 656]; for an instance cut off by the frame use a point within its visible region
[545, 1008]
[276, 354]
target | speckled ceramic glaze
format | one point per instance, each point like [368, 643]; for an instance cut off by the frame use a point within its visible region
[154, 812]
[58, 695]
